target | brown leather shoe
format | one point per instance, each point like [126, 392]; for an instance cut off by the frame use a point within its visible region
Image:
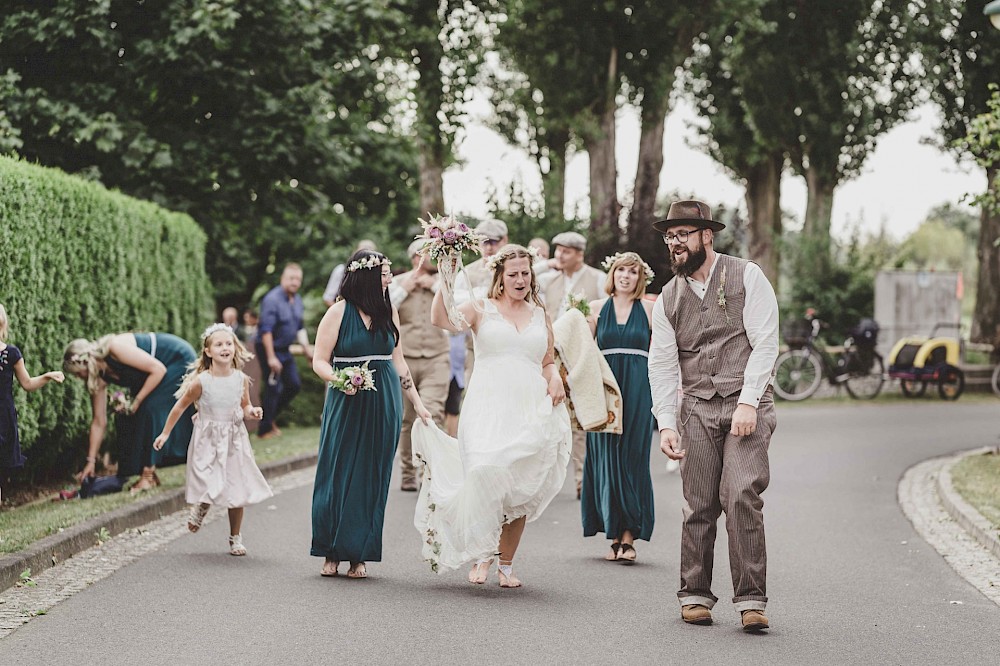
[754, 620]
[696, 614]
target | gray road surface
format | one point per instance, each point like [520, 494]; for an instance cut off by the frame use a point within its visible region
[850, 581]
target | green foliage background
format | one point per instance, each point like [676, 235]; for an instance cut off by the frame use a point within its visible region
[82, 261]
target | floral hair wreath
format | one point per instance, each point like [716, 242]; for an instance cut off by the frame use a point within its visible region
[214, 328]
[617, 256]
[371, 261]
[499, 257]
[79, 358]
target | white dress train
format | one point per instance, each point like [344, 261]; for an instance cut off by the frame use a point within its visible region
[511, 454]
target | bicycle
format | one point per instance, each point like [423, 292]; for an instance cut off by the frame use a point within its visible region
[800, 370]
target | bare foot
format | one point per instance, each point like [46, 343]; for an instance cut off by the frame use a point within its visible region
[507, 578]
[613, 555]
[357, 570]
[480, 572]
[329, 568]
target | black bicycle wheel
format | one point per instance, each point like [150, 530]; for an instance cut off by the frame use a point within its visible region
[865, 386]
[913, 388]
[951, 383]
[797, 374]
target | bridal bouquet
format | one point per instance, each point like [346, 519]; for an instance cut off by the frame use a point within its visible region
[353, 379]
[445, 239]
[444, 235]
[120, 401]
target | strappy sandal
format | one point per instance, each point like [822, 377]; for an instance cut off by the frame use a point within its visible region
[627, 548]
[236, 546]
[357, 570]
[481, 575]
[147, 481]
[196, 516]
[330, 571]
[615, 547]
[506, 574]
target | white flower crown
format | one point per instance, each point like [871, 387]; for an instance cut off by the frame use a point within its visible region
[610, 261]
[371, 261]
[214, 328]
[498, 258]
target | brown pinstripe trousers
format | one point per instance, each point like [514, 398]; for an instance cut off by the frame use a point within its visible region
[724, 473]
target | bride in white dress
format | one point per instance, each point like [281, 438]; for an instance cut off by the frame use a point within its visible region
[514, 437]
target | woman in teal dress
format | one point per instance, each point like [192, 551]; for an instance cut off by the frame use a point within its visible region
[617, 493]
[361, 424]
[150, 367]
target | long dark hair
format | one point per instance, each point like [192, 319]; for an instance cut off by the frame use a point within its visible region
[362, 288]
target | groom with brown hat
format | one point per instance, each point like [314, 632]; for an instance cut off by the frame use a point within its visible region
[715, 332]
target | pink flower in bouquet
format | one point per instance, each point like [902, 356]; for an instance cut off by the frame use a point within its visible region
[357, 380]
[450, 237]
[463, 227]
[350, 389]
[434, 232]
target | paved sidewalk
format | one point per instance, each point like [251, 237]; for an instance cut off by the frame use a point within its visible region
[58, 547]
[959, 533]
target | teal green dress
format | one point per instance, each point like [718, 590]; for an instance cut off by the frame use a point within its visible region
[617, 493]
[357, 443]
[135, 432]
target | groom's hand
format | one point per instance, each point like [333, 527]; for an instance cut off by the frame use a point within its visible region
[744, 420]
[670, 444]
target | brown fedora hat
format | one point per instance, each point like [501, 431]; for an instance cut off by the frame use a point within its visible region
[691, 212]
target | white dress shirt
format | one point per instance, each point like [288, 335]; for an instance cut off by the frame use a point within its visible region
[760, 319]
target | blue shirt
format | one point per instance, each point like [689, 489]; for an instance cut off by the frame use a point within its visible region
[280, 317]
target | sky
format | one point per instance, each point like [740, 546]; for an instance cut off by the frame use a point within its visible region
[900, 182]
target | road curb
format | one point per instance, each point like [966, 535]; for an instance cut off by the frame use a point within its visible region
[964, 513]
[55, 548]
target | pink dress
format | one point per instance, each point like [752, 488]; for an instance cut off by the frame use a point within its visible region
[221, 469]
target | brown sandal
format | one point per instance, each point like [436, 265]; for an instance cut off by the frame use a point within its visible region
[147, 481]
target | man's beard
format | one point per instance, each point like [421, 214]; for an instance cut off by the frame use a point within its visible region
[694, 261]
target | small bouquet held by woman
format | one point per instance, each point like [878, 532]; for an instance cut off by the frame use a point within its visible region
[353, 379]
[120, 401]
[445, 239]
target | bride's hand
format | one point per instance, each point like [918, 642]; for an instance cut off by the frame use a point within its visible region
[557, 391]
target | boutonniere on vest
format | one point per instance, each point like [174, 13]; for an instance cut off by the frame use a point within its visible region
[722, 293]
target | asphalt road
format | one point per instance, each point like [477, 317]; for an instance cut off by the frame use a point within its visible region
[850, 581]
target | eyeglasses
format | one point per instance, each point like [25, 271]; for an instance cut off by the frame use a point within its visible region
[679, 237]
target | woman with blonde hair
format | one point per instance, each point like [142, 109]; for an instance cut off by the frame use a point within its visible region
[514, 438]
[617, 492]
[150, 368]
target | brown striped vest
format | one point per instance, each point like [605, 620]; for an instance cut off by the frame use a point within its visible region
[712, 344]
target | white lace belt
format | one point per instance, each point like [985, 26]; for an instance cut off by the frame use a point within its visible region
[625, 350]
[362, 359]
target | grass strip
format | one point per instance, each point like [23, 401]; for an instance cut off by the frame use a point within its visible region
[23, 525]
[977, 480]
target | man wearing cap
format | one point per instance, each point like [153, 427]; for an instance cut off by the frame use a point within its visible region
[474, 280]
[425, 348]
[715, 332]
[558, 278]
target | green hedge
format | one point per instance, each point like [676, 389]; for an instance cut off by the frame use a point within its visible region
[81, 261]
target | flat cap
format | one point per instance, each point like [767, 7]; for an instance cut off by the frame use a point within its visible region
[493, 229]
[570, 239]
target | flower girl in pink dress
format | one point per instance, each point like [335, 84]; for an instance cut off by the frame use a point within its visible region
[221, 468]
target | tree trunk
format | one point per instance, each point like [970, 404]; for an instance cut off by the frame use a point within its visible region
[554, 178]
[986, 316]
[764, 208]
[642, 238]
[819, 209]
[431, 182]
[604, 205]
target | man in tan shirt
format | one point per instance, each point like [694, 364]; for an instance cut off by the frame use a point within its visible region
[474, 280]
[425, 348]
[558, 277]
